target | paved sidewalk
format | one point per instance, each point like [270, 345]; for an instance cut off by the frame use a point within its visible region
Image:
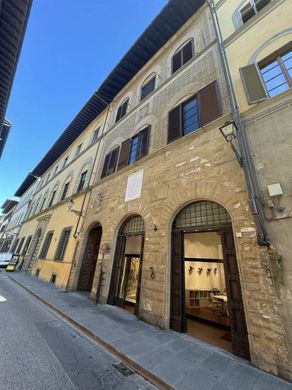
[179, 360]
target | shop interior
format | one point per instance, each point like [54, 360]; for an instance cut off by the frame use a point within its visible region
[206, 302]
[130, 272]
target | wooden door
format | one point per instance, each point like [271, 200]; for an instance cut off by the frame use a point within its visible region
[113, 298]
[89, 261]
[239, 336]
[177, 301]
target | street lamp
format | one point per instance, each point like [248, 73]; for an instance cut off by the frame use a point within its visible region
[70, 205]
[228, 130]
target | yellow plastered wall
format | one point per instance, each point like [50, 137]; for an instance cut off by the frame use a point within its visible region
[249, 38]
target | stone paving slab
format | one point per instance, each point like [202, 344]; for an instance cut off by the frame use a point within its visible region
[179, 360]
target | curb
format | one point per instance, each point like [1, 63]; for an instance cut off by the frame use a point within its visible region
[149, 376]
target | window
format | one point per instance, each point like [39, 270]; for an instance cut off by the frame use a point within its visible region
[134, 148]
[277, 74]
[78, 150]
[65, 190]
[122, 110]
[65, 161]
[56, 170]
[63, 244]
[110, 162]
[46, 245]
[48, 177]
[252, 8]
[53, 278]
[270, 77]
[82, 181]
[20, 245]
[26, 246]
[52, 197]
[201, 109]
[148, 88]
[95, 135]
[182, 56]
[43, 202]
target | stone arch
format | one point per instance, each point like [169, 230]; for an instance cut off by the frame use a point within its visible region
[207, 220]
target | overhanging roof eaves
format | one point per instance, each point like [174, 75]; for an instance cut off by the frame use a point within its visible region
[4, 135]
[28, 181]
[164, 26]
[8, 205]
[13, 20]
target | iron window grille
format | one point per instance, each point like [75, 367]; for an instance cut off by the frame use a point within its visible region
[46, 245]
[134, 225]
[62, 245]
[202, 214]
[148, 88]
[277, 74]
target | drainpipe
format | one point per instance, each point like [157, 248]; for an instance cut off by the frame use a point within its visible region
[253, 188]
[88, 188]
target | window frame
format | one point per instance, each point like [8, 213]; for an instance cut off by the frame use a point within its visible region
[46, 245]
[78, 150]
[180, 51]
[277, 58]
[145, 85]
[64, 194]
[107, 160]
[254, 7]
[63, 244]
[82, 182]
[53, 195]
[122, 109]
[95, 135]
[138, 154]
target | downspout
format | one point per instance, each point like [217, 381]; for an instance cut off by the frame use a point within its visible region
[88, 188]
[253, 188]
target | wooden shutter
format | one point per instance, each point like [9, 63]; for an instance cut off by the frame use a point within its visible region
[247, 12]
[118, 260]
[174, 124]
[209, 104]
[124, 154]
[105, 165]
[239, 336]
[112, 161]
[187, 52]
[253, 83]
[177, 301]
[143, 146]
[176, 61]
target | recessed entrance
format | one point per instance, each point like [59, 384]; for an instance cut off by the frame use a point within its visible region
[89, 260]
[206, 300]
[127, 267]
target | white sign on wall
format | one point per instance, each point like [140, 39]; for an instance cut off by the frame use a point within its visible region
[134, 186]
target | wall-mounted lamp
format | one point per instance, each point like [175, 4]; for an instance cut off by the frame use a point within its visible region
[200, 270]
[190, 269]
[228, 130]
[70, 205]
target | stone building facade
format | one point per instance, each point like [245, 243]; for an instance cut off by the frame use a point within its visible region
[155, 180]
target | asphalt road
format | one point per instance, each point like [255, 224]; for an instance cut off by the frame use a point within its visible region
[39, 350]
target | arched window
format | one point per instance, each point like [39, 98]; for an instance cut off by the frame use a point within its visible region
[83, 178]
[183, 55]
[122, 110]
[53, 196]
[44, 201]
[66, 188]
[148, 86]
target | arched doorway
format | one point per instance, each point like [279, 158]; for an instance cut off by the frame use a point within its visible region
[89, 259]
[205, 286]
[127, 267]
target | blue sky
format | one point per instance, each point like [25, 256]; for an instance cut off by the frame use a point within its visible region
[70, 47]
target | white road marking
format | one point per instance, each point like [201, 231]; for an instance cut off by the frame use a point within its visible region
[2, 299]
